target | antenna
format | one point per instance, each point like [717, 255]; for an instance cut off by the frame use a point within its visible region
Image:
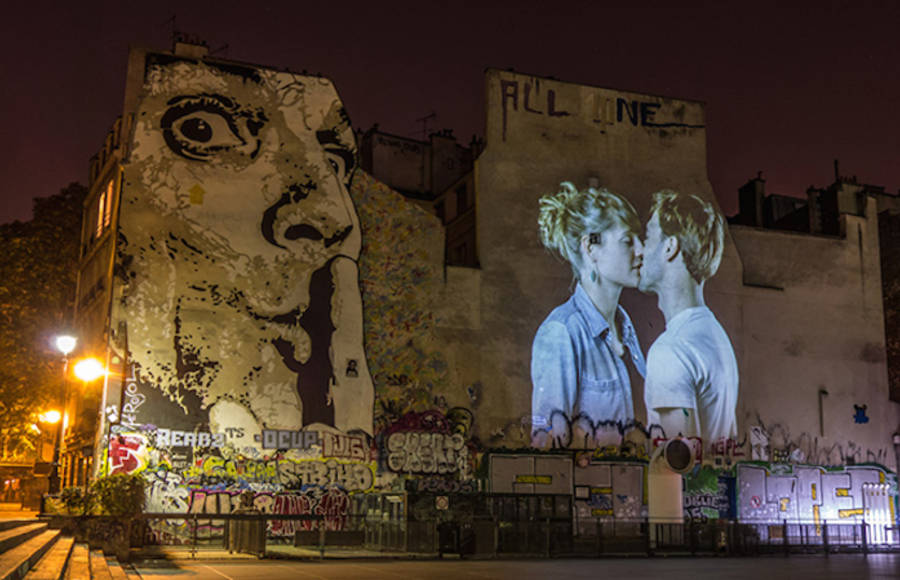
[223, 49]
[424, 120]
[174, 34]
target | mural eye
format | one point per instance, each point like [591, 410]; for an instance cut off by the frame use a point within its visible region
[197, 129]
[201, 127]
[337, 160]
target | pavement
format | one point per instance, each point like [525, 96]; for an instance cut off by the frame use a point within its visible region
[838, 566]
[14, 511]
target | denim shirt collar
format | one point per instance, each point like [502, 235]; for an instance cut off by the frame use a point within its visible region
[596, 323]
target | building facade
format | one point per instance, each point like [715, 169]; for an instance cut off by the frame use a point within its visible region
[277, 320]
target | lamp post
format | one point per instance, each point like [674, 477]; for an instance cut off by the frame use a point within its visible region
[65, 344]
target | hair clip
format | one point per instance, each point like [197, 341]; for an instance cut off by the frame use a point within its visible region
[594, 238]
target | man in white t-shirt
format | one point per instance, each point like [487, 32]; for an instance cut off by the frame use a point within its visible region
[692, 378]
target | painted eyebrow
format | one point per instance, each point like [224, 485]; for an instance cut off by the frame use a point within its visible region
[339, 147]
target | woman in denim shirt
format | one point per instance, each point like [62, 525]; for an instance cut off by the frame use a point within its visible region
[582, 365]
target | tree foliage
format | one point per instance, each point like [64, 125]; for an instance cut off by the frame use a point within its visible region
[38, 271]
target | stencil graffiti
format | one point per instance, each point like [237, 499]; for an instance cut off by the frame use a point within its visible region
[243, 309]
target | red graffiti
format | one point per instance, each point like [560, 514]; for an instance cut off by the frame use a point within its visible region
[123, 452]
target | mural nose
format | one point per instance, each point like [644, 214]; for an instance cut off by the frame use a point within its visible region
[301, 225]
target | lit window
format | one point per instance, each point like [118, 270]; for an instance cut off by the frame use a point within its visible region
[101, 205]
[107, 212]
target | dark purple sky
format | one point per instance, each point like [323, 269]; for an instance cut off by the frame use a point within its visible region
[789, 86]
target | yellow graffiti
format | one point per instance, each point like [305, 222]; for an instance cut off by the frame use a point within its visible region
[627, 450]
[539, 479]
[814, 491]
[850, 513]
[816, 516]
[842, 492]
[783, 503]
[601, 490]
[196, 194]
[599, 512]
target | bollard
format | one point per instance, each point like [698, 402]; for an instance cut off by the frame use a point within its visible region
[599, 537]
[321, 539]
[865, 542]
[547, 541]
[693, 537]
[784, 538]
[496, 536]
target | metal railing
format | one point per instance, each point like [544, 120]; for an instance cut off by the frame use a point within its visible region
[493, 537]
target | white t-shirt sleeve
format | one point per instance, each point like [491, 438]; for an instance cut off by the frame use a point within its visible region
[670, 382]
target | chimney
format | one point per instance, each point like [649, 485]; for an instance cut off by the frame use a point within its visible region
[750, 201]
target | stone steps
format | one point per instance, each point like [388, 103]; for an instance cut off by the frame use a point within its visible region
[53, 565]
[17, 559]
[31, 551]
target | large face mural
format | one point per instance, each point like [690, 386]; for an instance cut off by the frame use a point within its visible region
[239, 243]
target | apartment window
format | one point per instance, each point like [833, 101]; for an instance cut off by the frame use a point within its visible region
[107, 210]
[104, 209]
[101, 207]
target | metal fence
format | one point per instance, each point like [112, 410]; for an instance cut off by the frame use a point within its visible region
[494, 537]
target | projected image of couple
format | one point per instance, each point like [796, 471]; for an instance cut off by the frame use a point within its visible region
[587, 360]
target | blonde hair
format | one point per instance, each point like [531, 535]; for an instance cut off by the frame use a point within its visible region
[569, 215]
[699, 227]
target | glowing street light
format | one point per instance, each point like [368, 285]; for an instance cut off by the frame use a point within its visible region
[66, 344]
[52, 417]
[89, 369]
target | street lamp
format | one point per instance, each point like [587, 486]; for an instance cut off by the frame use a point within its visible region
[65, 343]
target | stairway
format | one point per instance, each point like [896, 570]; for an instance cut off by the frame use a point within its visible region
[31, 551]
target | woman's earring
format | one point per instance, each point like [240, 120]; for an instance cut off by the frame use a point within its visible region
[593, 275]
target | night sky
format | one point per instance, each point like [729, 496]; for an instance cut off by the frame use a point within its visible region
[789, 86]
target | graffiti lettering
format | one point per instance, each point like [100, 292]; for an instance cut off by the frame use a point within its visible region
[286, 439]
[348, 475]
[414, 452]
[133, 400]
[172, 438]
[127, 454]
[333, 504]
[344, 446]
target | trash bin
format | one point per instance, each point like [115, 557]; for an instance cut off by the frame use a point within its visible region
[247, 535]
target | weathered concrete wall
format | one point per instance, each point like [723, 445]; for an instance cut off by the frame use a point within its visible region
[813, 320]
[401, 161]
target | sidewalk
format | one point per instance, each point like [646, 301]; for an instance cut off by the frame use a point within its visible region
[14, 511]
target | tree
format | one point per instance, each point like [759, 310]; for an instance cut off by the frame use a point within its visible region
[37, 293]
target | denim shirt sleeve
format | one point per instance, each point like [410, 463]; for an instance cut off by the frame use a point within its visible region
[553, 373]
